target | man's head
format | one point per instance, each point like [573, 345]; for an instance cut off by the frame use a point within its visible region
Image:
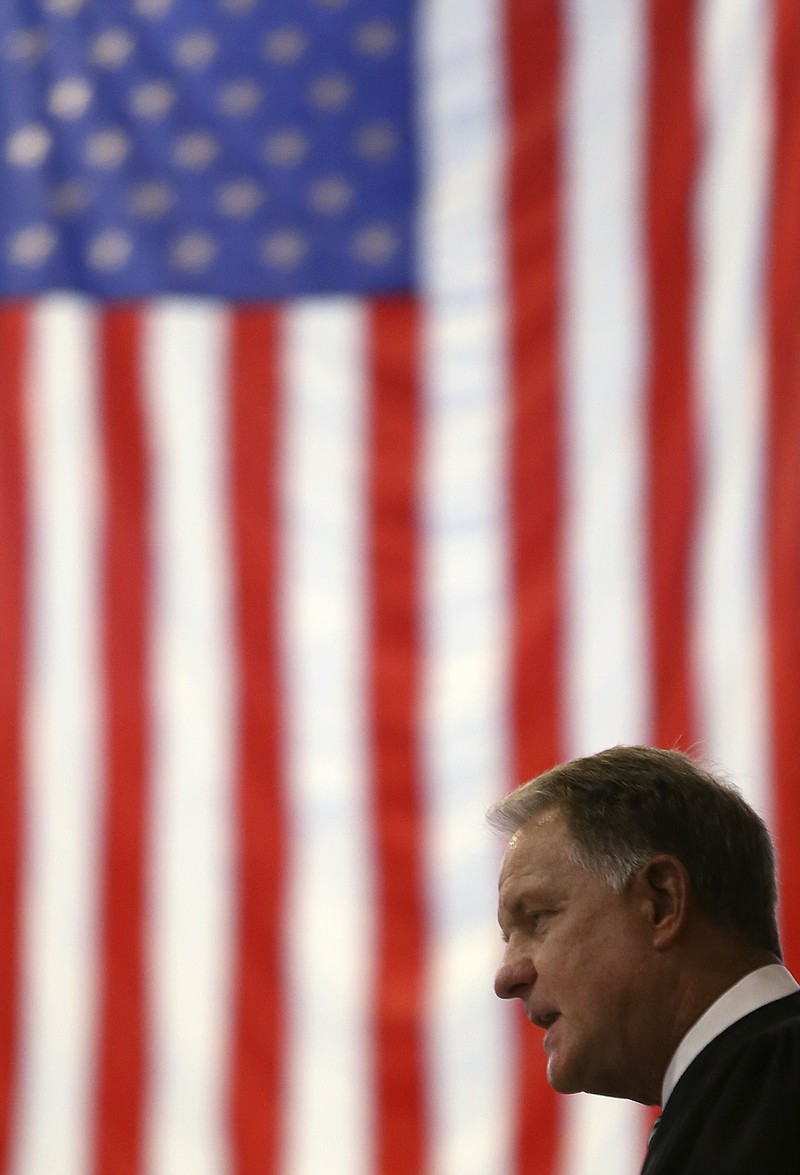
[634, 889]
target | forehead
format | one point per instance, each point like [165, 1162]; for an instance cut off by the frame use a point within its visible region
[538, 857]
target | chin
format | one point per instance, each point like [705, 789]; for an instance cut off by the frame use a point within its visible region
[564, 1079]
[573, 1074]
[560, 1078]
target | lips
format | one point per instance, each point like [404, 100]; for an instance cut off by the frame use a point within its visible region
[547, 1042]
[542, 1017]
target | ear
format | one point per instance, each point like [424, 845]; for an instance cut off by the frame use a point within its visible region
[665, 889]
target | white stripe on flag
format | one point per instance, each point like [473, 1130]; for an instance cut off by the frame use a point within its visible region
[465, 768]
[464, 591]
[330, 888]
[729, 631]
[607, 691]
[606, 672]
[60, 856]
[189, 929]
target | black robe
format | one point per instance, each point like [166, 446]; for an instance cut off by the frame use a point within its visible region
[736, 1109]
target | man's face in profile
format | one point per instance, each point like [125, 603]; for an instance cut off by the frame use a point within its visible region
[577, 957]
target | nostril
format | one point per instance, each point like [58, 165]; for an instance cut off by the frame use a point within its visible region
[507, 986]
[513, 980]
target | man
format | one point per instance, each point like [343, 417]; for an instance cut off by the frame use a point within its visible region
[637, 900]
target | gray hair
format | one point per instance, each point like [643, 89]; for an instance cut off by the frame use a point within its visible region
[625, 804]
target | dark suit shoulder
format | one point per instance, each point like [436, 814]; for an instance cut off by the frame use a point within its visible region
[736, 1109]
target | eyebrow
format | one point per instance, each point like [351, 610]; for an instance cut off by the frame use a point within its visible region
[523, 904]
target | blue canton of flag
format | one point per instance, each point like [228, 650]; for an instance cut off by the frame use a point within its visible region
[220, 147]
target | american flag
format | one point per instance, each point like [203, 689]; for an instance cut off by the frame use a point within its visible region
[395, 399]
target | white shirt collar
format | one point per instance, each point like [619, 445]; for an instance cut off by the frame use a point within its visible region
[758, 988]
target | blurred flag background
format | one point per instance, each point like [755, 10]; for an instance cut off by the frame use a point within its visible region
[394, 399]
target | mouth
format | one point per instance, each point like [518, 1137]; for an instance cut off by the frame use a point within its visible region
[548, 1044]
[544, 1019]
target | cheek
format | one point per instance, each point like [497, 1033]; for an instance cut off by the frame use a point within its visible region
[609, 984]
[565, 973]
[589, 978]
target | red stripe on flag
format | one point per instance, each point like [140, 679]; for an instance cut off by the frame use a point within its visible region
[393, 444]
[125, 631]
[783, 492]
[534, 51]
[13, 344]
[258, 1061]
[671, 158]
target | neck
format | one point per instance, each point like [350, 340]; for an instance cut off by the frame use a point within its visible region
[697, 985]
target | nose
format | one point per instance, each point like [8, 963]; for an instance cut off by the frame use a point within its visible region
[515, 977]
